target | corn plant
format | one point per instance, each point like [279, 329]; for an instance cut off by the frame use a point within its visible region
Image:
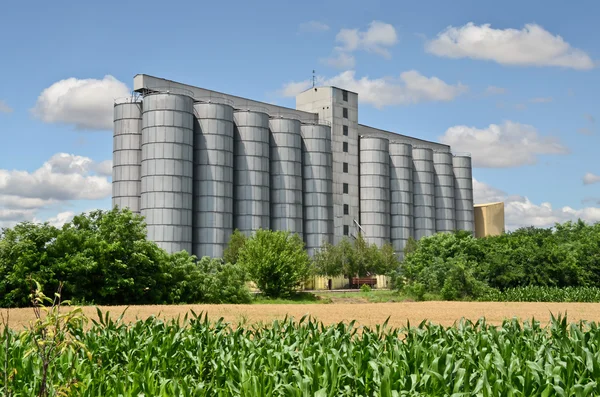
[545, 294]
[194, 356]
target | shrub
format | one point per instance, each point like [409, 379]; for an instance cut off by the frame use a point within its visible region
[356, 258]
[235, 245]
[276, 261]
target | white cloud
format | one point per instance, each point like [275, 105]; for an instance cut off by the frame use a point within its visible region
[14, 215]
[16, 202]
[10, 217]
[340, 60]
[313, 26]
[62, 177]
[4, 108]
[411, 87]
[59, 220]
[60, 180]
[87, 103]
[532, 45]
[519, 211]
[507, 145]
[590, 178]
[493, 90]
[541, 100]
[104, 168]
[375, 39]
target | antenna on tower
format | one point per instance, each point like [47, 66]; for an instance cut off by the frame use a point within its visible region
[313, 78]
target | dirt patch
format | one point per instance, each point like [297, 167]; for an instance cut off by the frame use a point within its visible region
[348, 300]
[445, 313]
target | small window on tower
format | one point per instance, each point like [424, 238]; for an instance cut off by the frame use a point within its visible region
[345, 113]
[345, 167]
[346, 209]
[345, 187]
[345, 147]
[345, 95]
[345, 128]
[346, 230]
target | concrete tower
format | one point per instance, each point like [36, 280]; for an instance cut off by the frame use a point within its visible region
[340, 108]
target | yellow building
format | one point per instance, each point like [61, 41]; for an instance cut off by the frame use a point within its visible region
[489, 219]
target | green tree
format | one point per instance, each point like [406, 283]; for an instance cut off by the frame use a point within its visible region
[25, 251]
[205, 281]
[328, 261]
[276, 261]
[357, 258]
[105, 258]
[235, 245]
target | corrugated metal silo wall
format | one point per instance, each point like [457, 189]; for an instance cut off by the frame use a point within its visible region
[286, 175]
[424, 192]
[213, 179]
[463, 192]
[401, 195]
[251, 171]
[375, 189]
[444, 192]
[127, 156]
[317, 176]
[167, 170]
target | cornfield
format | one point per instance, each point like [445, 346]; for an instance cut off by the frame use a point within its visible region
[545, 294]
[197, 357]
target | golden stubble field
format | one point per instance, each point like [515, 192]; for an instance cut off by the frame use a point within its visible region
[445, 313]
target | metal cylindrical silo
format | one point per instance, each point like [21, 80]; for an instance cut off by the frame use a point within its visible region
[317, 175]
[286, 175]
[251, 171]
[167, 169]
[375, 189]
[423, 192]
[463, 193]
[213, 179]
[444, 192]
[127, 155]
[401, 195]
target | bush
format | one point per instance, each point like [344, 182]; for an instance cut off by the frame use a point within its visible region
[103, 257]
[235, 245]
[458, 266]
[276, 261]
[365, 288]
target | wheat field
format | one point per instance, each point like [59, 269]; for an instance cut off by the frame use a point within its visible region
[444, 313]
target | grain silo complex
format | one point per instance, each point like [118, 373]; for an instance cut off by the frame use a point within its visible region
[198, 164]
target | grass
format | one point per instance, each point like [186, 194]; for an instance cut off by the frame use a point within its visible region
[355, 296]
[299, 297]
[326, 297]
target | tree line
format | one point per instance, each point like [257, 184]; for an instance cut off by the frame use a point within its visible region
[459, 266]
[103, 257]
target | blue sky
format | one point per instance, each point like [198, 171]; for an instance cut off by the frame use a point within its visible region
[515, 83]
